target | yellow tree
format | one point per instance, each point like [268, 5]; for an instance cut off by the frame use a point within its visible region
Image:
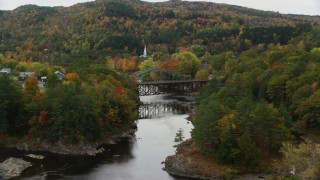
[189, 62]
[31, 88]
[72, 77]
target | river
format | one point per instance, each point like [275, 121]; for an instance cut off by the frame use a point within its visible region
[137, 158]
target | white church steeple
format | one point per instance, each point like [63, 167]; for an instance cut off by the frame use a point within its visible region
[145, 52]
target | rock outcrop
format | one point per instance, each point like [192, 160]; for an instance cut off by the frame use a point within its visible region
[187, 162]
[179, 165]
[13, 167]
[35, 156]
[90, 149]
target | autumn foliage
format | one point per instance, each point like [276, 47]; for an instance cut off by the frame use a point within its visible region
[72, 76]
[42, 117]
[118, 90]
[171, 64]
[31, 87]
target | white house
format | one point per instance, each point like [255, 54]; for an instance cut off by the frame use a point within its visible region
[5, 71]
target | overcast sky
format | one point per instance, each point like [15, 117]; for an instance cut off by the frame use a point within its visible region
[309, 7]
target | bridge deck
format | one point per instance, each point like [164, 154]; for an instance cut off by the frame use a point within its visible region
[170, 82]
[174, 86]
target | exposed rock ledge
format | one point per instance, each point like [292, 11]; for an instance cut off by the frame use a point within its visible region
[183, 163]
[35, 156]
[13, 167]
[189, 163]
[182, 166]
[179, 165]
[91, 149]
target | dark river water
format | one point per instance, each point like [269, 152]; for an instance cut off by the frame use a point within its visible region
[138, 158]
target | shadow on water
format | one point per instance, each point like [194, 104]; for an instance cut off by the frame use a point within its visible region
[137, 158]
[55, 165]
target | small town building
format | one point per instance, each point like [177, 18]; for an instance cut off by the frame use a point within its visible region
[6, 71]
[43, 78]
[59, 75]
[24, 75]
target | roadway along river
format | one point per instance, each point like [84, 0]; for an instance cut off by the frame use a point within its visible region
[138, 158]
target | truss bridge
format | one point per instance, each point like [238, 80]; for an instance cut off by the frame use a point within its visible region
[154, 81]
[162, 87]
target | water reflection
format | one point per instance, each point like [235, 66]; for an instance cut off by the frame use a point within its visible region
[157, 110]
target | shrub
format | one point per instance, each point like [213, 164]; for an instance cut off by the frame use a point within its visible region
[302, 161]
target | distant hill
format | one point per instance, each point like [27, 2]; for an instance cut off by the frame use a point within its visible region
[96, 29]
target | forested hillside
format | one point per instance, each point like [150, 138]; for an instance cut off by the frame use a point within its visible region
[104, 28]
[264, 69]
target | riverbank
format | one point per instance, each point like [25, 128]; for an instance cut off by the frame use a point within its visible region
[188, 162]
[81, 148]
[130, 158]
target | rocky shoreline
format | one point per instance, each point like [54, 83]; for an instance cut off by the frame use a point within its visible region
[188, 163]
[181, 164]
[178, 165]
[89, 149]
[13, 167]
